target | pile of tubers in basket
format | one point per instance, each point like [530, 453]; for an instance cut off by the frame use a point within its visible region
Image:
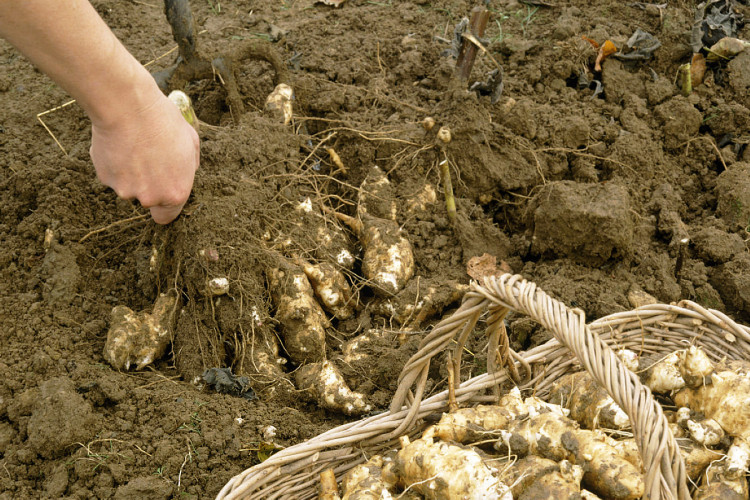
[573, 446]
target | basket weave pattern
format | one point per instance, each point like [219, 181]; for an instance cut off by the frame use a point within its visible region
[655, 329]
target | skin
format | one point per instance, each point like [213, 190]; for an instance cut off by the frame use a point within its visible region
[141, 146]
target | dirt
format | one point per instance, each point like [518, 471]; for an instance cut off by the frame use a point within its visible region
[589, 195]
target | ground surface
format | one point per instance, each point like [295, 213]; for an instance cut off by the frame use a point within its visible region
[589, 196]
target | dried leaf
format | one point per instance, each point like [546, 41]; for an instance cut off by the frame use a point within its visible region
[592, 42]
[726, 48]
[607, 49]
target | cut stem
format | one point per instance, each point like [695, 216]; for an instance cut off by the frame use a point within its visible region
[468, 52]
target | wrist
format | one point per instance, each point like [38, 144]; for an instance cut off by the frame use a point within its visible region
[127, 93]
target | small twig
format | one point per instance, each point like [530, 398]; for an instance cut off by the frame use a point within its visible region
[110, 226]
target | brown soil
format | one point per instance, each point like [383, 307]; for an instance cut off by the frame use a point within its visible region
[588, 196]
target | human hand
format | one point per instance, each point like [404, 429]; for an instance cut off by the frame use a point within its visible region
[150, 154]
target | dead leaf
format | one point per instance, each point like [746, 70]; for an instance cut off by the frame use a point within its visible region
[608, 48]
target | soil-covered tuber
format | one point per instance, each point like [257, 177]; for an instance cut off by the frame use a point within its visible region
[553, 436]
[590, 405]
[536, 478]
[331, 288]
[139, 338]
[301, 319]
[324, 382]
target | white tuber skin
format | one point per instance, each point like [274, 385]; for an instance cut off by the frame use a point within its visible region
[301, 318]
[479, 422]
[695, 366]
[279, 103]
[139, 339]
[388, 262]
[723, 397]
[376, 196]
[718, 485]
[661, 375]
[439, 470]
[217, 286]
[534, 477]
[331, 288]
[326, 384]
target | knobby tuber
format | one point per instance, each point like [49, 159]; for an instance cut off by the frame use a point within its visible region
[590, 405]
[553, 436]
[439, 470]
[324, 382]
[365, 482]
[480, 422]
[302, 320]
[331, 288]
[279, 103]
[536, 478]
[140, 338]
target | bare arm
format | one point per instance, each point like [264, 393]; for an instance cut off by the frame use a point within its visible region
[141, 146]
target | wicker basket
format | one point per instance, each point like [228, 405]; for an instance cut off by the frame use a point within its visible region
[653, 329]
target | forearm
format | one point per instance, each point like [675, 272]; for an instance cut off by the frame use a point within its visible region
[68, 41]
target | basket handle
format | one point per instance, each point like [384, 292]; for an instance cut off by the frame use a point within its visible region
[665, 476]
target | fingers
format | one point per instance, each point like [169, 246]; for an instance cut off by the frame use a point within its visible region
[165, 215]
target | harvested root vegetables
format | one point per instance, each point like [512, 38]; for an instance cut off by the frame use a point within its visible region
[705, 431]
[365, 481]
[695, 367]
[720, 485]
[302, 320]
[723, 398]
[661, 375]
[536, 478]
[553, 436]
[362, 346]
[139, 338]
[590, 405]
[331, 288]
[324, 382]
[328, 489]
[439, 470]
[479, 422]
[697, 457]
[388, 261]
